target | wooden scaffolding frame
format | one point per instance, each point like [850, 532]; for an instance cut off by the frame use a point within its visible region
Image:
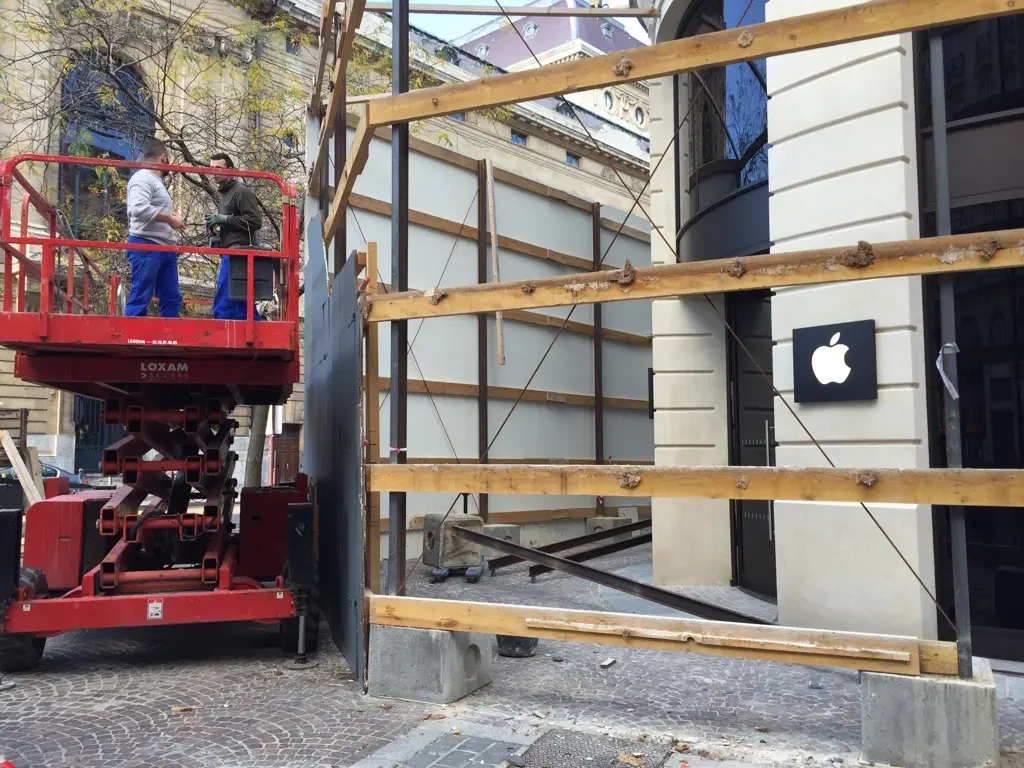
[941, 255]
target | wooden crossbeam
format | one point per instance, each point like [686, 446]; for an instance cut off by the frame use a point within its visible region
[937, 255]
[755, 41]
[515, 12]
[346, 40]
[439, 224]
[326, 24]
[358, 154]
[814, 647]
[953, 487]
[458, 389]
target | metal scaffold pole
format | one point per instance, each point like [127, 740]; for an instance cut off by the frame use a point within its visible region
[399, 282]
[947, 361]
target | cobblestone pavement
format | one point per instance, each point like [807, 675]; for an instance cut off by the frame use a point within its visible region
[109, 699]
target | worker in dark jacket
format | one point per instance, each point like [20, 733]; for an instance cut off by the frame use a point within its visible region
[239, 219]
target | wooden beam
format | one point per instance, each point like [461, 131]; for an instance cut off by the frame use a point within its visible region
[814, 647]
[372, 419]
[953, 487]
[343, 49]
[32, 494]
[354, 165]
[457, 389]
[572, 326]
[937, 255]
[519, 517]
[327, 11]
[492, 227]
[560, 461]
[438, 224]
[730, 46]
[492, 10]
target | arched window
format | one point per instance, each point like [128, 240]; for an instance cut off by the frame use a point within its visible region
[103, 114]
[104, 110]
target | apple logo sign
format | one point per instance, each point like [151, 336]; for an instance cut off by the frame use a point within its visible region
[829, 363]
[835, 363]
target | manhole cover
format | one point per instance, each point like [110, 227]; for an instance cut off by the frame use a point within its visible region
[571, 749]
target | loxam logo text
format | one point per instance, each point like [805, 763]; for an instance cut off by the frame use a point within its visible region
[164, 367]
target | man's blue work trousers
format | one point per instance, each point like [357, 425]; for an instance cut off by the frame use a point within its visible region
[223, 307]
[153, 273]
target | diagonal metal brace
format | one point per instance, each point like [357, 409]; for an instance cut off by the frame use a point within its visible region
[614, 581]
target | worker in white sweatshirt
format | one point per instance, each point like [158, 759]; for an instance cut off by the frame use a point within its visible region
[151, 221]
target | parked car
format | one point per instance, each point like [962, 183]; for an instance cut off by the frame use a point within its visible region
[48, 470]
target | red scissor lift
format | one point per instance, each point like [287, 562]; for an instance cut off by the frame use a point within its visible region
[163, 547]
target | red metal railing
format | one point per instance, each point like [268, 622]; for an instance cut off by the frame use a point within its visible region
[54, 300]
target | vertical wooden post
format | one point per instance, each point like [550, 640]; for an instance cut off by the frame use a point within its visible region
[598, 358]
[483, 430]
[492, 217]
[372, 426]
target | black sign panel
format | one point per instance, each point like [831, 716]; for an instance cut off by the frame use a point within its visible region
[835, 363]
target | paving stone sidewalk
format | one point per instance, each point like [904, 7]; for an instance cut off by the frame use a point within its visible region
[218, 697]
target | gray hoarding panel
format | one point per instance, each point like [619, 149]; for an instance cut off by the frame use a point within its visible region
[333, 447]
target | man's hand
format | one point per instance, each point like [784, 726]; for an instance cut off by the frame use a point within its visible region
[171, 220]
[215, 218]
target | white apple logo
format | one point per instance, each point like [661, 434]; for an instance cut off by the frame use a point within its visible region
[829, 363]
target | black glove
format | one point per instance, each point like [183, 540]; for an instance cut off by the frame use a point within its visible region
[215, 218]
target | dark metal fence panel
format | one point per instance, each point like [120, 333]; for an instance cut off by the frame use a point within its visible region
[333, 445]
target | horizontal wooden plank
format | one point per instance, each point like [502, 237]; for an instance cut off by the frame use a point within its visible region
[503, 460]
[530, 516]
[730, 46]
[624, 230]
[936, 255]
[954, 487]
[814, 647]
[470, 164]
[438, 224]
[517, 11]
[457, 389]
[572, 326]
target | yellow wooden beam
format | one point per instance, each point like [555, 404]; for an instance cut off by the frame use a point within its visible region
[814, 647]
[346, 39]
[358, 154]
[755, 41]
[954, 487]
[517, 11]
[938, 255]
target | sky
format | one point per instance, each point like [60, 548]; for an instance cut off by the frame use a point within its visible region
[449, 27]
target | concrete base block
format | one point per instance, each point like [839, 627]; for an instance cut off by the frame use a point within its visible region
[595, 524]
[630, 513]
[429, 665]
[930, 722]
[503, 531]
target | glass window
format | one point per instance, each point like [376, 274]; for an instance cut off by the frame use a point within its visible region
[609, 101]
[571, 159]
[984, 69]
[519, 138]
[728, 106]
[291, 45]
[639, 117]
[458, 116]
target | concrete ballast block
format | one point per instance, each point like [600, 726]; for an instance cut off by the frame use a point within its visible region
[928, 721]
[442, 548]
[429, 665]
[503, 531]
[595, 524]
